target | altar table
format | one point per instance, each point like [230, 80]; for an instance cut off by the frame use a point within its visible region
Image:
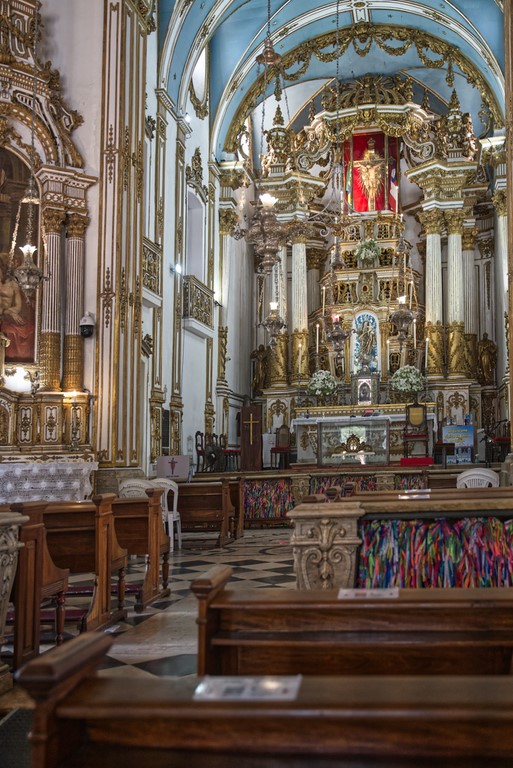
[46, 481]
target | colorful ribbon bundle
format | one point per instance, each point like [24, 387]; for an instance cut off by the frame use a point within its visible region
[472, 552]
[267, 499]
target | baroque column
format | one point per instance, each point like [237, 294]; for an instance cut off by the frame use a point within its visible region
[456, 364]
[432, 222]
[299, 304]
[470, 313]
[50, 338]
[501, 279]
[72, 374]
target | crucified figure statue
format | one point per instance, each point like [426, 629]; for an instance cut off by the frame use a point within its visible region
[371, 177]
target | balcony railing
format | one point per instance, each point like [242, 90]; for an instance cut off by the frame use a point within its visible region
[198, 302]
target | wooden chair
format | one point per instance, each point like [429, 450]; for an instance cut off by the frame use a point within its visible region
[231, 455]
[280, 453]
[416, 428]
[199, 439]
[478, 477]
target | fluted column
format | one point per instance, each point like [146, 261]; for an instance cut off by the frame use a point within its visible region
[50, 338]
[501, 280]
[299, 306]
[314, 262]
[456, 363]
[73, 364]
[432, 222]
[470, 304]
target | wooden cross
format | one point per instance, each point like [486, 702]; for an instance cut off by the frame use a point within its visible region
[251, 422]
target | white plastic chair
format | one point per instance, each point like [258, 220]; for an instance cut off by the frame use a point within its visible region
[478, 477]
[172, 515]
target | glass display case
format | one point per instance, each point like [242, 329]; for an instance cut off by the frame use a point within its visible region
[343, 442]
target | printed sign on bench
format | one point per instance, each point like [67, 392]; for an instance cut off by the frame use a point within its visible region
[174, 467]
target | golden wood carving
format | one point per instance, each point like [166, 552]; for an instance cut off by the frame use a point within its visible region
[435, 358]
[221, 361]
[299, 352]
[277, 408]
[152, 266]
[456, 362]
[228, 219]
[73, 356]
[49, 359]
[279, 362]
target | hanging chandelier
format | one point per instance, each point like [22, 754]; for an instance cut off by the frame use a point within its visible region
[273, 324]
[266, 233]
[27, 274]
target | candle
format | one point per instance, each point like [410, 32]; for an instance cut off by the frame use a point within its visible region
[411, 293]
[300, 351]
[426, 353]
[323, 298]
[388, 355]
[414, 334]
[74, 398]
[317, 339]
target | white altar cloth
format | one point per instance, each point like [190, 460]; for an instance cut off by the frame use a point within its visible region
[46, 481]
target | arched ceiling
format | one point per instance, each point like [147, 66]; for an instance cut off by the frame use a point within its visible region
[440, 45]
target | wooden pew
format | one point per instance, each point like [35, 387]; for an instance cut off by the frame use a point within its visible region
[140, 529]
[333, 722]
[81, 536]
[206, 507]
[313, 632]
[37, 579]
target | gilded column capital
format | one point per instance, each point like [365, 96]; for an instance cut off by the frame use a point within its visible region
[232, 178]
[454, 221]
[228, 218]
[469, 238]
[315, 258]
[432, 221]
[486, 247]
[53, 219]
[500, 202]
[77, 225]
[299, 231]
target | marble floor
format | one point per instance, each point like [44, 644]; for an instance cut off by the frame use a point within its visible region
[162, 640]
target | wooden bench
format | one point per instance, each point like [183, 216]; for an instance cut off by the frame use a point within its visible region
[313, 632]
[111, 722]
[207, 507]
[37, 580]
[140, 530]
[81, 536]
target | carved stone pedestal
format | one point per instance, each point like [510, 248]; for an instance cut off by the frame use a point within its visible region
[324, 543]
[9, 546]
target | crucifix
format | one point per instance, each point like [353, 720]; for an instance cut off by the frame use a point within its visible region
[251, 422]
[251, 438]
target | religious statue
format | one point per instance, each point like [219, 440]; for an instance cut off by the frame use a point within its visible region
[487, 360]
[371, 178]
[16, 316]
[260, 372]
[367, 339]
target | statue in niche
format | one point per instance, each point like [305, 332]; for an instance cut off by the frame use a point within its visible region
[366, 343]
[372, 172]
[260, 356]
[487, 360]
[17, 320]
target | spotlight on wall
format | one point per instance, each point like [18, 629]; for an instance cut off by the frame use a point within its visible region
[176, 268]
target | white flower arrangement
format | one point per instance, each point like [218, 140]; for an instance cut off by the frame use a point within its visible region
[407, 379]
[368, 251]
[322, 383]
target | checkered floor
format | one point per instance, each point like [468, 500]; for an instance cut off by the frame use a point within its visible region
[162, 640]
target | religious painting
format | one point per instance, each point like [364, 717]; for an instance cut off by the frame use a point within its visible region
[371, 172]
[17, 310]
[365, 351]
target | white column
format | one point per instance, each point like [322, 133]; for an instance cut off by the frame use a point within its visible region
[501, 281]
[470, 307]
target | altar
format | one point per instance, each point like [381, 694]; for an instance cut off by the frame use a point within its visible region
[341, 436]
[46, 481]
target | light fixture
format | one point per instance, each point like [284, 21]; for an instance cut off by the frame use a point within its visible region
[266, 233]
[273, 324]
[337, 335]
[27, 274]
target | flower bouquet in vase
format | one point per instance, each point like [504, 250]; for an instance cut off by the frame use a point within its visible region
[406, 383]
[323, 386]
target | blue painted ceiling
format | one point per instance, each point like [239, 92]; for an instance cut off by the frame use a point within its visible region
[234, 31]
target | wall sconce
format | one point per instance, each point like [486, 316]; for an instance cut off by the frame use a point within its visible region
[176, 268]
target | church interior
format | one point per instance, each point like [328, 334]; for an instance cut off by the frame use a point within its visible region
[258, 252]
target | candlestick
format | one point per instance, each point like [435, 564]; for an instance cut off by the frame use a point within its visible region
[426, 354]
[317, 339]
[414, 334]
